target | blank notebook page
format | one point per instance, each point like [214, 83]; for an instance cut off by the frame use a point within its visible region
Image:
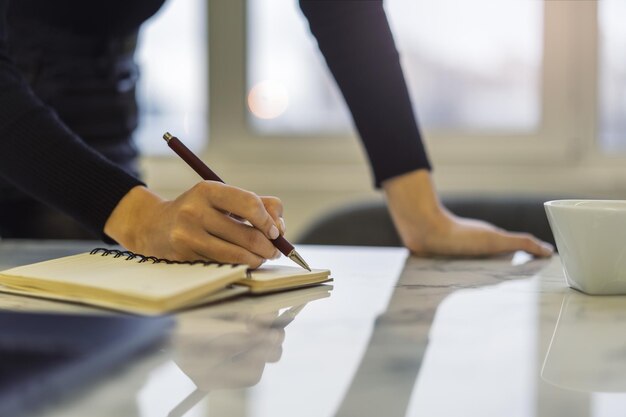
[119, 275]
[272, 277]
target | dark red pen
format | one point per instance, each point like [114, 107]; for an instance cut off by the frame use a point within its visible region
[205, 172]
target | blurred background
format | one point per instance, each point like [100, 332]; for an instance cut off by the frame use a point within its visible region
[514, 98]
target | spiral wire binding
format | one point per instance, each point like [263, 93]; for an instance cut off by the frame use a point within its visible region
[143, 258]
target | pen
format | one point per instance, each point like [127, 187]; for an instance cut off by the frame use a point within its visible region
[206, 173]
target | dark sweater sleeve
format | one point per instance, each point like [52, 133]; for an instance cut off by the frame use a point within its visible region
[43, 158]
[356, 41]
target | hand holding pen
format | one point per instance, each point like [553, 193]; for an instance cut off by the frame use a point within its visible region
[195, 225]
[206, 173]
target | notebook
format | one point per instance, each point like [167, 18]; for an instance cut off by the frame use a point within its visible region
[126, 281]
[44, 357]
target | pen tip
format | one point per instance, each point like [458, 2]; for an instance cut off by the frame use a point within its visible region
[167, 136]
[295, 256]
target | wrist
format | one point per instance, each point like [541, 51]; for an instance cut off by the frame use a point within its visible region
[130, 220]
[415, 207]
[412, 193]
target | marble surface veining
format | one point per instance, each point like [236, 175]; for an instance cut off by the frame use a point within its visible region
[393, 336]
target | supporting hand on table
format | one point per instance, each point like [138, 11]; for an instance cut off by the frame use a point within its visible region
[427, 228]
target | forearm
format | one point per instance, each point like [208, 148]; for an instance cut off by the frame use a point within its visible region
[46, 161]
[414, 206]
[359, 48]
[356, 41]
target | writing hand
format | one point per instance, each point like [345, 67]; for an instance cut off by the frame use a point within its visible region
[197, 224]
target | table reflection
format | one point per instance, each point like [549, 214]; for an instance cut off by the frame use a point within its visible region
[587, 351]
[451, 337]
[403, 372]
[228, 345]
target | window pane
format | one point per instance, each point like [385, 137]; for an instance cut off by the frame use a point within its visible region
[612, 75]
[471, 65]
[172, 90]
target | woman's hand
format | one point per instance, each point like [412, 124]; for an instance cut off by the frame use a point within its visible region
[211, 221]
[427, 228]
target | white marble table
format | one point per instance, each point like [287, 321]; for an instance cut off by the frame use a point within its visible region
[396, 336]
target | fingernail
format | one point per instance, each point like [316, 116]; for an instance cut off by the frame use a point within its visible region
[274, 232]
[547, 249]
[276, 254]
[282, 225]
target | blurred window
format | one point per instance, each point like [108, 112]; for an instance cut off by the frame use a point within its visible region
[471, 65]
[172, 91]
[612, 75]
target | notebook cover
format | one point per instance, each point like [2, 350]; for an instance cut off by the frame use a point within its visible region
[44, 356]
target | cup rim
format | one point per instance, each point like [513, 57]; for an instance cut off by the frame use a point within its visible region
[571, 204]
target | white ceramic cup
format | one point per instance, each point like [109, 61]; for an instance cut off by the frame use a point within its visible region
[591, 238]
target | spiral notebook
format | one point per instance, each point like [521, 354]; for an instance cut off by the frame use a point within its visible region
[126, 281]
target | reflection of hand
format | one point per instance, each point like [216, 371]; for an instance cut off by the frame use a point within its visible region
[236, 358]
[196, 225]
[427, 228]
[228, 345]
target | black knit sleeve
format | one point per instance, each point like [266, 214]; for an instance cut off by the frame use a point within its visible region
[43, 158]
[358, 46]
